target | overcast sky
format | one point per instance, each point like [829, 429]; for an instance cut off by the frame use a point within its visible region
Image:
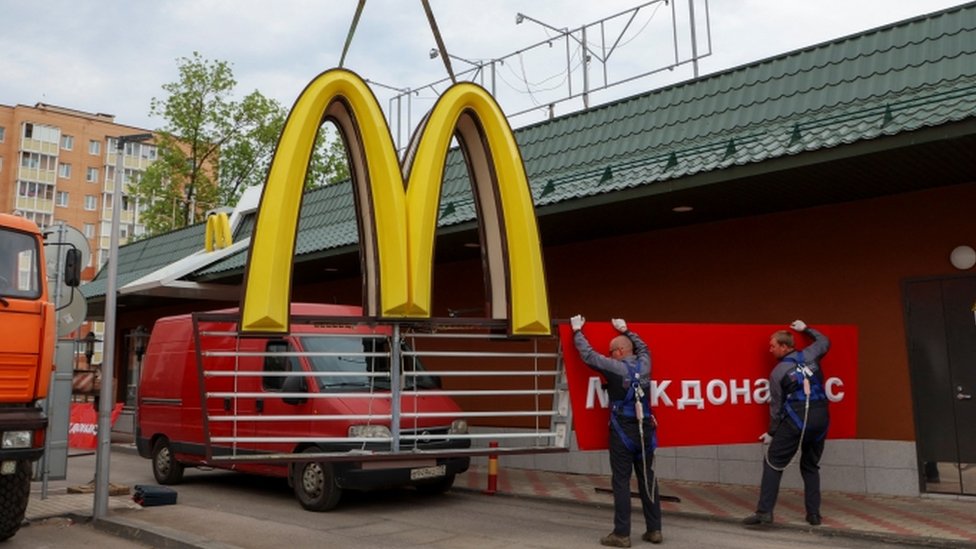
[113, 56]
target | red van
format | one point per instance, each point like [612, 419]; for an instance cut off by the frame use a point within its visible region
[259, 413]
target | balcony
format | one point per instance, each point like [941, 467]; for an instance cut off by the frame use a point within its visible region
[36, 145]
[38, 175]
[34, 204]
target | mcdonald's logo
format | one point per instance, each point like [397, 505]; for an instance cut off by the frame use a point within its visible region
[397, 218]
[218, 232]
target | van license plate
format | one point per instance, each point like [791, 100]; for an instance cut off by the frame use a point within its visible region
[428, 472]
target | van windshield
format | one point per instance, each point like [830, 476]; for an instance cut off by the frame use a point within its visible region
[353, 360]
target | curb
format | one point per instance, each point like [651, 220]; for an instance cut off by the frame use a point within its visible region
[160, 537]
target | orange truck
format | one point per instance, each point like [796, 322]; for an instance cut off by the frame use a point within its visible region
[27, 337]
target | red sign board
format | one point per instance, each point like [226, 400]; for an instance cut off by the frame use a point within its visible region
[83, 426]
[709, 381]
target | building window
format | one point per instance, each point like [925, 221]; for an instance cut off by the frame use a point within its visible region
[3, 133]
[38, 161]
[94, 147]
[64, 170]
[67, 142]
[43, 220]
[61, 199]
[28, 189]
[47, 134]
[90, 202]
[92, 175]
[147, 152]
[89, 230]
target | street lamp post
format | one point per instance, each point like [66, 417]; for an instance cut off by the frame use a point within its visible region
[106, 400]
[138, 338]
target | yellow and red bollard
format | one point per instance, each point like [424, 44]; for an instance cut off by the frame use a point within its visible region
[492, 470]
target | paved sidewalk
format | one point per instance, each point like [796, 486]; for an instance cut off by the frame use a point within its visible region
[931, 520]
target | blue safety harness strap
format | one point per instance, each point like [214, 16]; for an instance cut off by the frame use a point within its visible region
[797, 395]
[627, 408]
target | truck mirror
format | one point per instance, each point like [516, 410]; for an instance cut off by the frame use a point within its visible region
[294, 384]
[72, 267]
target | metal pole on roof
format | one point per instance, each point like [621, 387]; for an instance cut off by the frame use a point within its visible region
[106, 400]
[585, 54]
[694, 38]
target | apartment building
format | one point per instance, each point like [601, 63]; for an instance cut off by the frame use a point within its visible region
[58, 164]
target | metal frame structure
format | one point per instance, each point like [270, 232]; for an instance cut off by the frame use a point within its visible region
[541, 379]
[579, 51]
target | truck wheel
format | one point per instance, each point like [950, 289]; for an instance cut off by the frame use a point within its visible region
[438, 486]
[14, 493]
[165, 467]
[315, 484]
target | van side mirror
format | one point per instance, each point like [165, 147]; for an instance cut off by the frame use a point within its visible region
[294, 384]
[72, 267]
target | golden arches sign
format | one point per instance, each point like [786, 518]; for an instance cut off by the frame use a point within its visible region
[398, 219]
[218, 234]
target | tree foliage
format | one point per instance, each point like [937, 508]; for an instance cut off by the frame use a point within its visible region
[211, 146]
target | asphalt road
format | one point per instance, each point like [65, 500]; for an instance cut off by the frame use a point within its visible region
[219, 508]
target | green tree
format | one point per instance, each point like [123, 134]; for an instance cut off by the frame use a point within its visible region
[212, 147]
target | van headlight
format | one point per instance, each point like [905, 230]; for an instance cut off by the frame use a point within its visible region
[458, 427]
[17, 439]
[369, 431]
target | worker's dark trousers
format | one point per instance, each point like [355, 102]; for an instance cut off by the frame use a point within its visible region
[779, 454]
[622, 463]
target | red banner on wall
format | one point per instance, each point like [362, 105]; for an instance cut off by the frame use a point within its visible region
[83, 428]
[707, 381]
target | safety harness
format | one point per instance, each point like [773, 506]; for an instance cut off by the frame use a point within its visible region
[633, 405]
[808, 388]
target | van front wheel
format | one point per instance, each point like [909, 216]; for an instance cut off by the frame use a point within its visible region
[315, 484]
[165, 467]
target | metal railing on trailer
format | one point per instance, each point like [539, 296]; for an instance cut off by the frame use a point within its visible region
[510, 392]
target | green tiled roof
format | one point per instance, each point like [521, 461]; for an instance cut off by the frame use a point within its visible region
[145, 256]
[903, 77]
[899, 78]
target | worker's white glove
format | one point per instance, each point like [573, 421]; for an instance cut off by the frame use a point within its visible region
[619, 324]
[799, 325]
[577, 322]
[765, 438]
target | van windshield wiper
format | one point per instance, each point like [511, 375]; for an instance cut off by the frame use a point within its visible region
[345, 384]
[4, 301]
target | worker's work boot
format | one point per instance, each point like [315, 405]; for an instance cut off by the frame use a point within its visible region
[613, 540]
[653, 536]
[758, 518]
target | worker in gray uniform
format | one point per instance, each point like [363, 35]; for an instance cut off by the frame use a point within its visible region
[632, 427]
[798, 420]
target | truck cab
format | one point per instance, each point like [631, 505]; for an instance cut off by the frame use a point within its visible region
[26, 363]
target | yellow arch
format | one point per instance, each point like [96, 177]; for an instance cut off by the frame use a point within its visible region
[397, 225]
[469, 112]
[218, 232]
[268, 283]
